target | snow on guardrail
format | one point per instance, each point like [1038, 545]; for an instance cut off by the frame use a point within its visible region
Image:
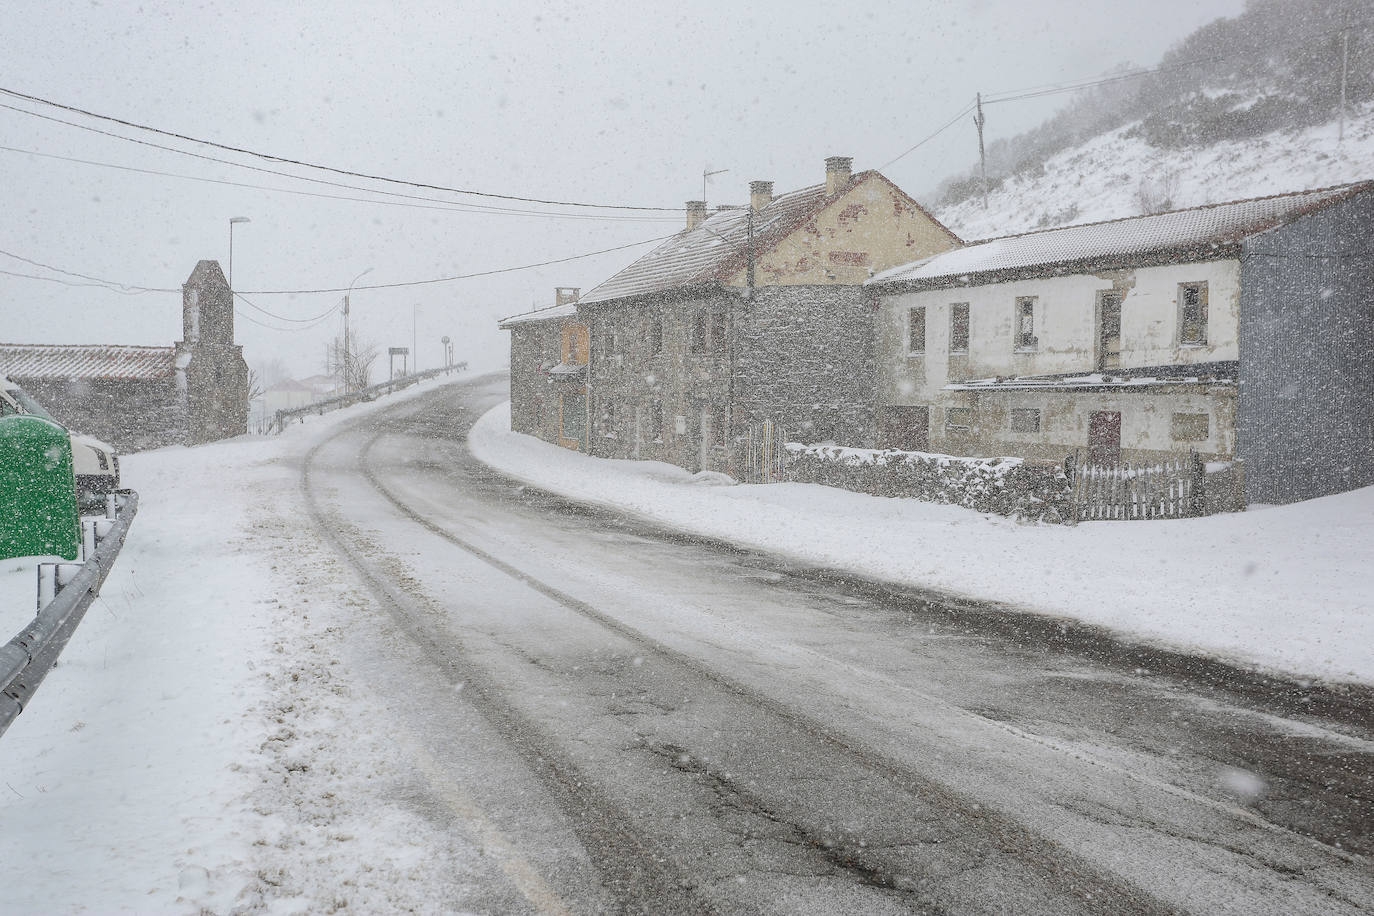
[65, 592]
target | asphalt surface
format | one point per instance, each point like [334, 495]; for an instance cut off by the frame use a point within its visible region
[653, 723]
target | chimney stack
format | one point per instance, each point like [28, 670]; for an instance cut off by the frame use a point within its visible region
[565, 295]
[837, 172]
[696, 213]
[760, 194]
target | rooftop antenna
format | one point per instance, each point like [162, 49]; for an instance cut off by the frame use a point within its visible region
[705, 174]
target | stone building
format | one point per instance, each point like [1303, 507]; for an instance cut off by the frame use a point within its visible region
[751, 318]
[1236, 330]
[141, 397]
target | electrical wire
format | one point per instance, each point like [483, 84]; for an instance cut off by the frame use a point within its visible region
[112, 284]
[324, 168]
[481, 273]
[132, 289]
[315, 320]
[447, 204]
[454, 207]
[947, 125]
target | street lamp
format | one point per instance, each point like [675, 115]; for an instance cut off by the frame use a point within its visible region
[232, 221]
[448, 352]
[346, 379]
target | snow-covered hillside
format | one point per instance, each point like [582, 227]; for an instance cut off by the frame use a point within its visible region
[1114, 175]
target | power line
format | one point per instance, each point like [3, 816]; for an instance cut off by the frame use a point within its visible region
[1035, 92]
[947, 125]
[454, 207]
[482, 273]
[127, 288]
[324, 168]
[112, 284]
[445, 204]
[311, 321]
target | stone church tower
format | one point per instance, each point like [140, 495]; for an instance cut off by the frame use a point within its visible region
[209, 365]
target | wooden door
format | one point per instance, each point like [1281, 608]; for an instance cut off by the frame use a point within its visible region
[1104, 437]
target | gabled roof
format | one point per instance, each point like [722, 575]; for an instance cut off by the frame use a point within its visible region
[715, 251]
[566, 310]
[207, 271]
[85, 361]
[1199, 233]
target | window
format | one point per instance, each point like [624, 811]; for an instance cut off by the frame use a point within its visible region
[1025, 420]
[958, 327]
[720, 426]
[655, 428]
[1024, 332]
[608, 344]
[656, 336]
[1192, 314]
[699, 331]
[607, 422]
[1189, 427]
[916, 330]
[718, 331]
[958, 419]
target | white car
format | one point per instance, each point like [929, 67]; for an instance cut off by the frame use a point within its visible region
[95, 463]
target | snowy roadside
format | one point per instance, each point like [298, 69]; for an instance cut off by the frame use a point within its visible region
[1282, 588]
[200, 747]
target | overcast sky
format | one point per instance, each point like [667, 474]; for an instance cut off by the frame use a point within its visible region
[606, 102]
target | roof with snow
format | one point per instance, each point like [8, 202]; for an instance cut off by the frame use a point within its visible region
[86, 361]
[1199, 233]
[566, 310]
[715, 251]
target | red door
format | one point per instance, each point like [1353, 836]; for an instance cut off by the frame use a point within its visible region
[1104, 437]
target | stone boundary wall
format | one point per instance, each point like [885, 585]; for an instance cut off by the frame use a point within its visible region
[1000, 486]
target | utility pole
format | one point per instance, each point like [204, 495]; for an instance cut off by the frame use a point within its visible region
[749, 254]
[1345, 68]
[979, 120]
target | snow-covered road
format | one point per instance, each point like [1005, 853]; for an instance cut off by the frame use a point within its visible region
[457, 693]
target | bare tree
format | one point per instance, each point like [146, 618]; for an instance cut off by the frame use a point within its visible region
[351, 363]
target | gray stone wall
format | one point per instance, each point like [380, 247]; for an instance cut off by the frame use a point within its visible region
[533, 403]
[131, 415]
[714, 365]
[806, 360]
[660, 379]
[1305, 414]
[216, 394]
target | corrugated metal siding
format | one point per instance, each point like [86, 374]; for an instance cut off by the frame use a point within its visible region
[1305, 416]
[43, 361]
[1200, 229]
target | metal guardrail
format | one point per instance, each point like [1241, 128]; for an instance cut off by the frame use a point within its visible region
[27, 658]
[371, 393]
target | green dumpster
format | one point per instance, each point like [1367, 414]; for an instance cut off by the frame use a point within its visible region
[38, 514]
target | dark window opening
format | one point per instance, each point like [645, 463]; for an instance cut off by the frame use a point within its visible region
[1025, 324]
[958, 327]
[1192, 314]
[916, 330]
[1025, 420]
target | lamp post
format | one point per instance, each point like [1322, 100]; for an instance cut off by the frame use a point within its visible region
[346, 380]
[232, 221]
[448, 352]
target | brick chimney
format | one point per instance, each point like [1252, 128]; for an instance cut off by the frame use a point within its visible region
[565, 295]
[696, 213]
[837, 172]
[760, 194]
